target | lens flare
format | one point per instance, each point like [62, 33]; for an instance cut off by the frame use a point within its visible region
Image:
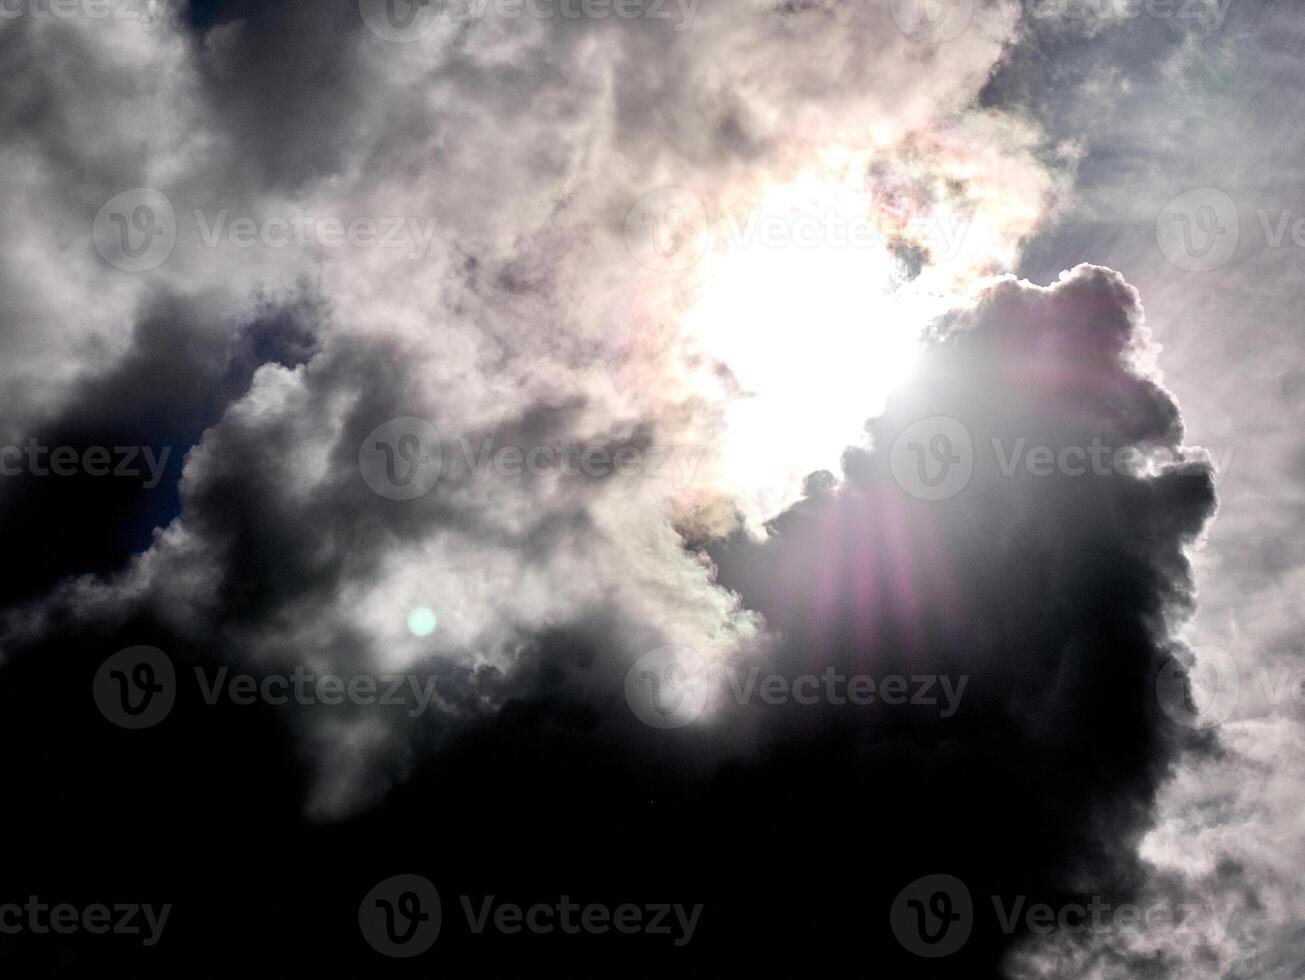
[421, 621]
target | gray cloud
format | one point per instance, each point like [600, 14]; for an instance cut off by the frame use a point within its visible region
[526, 321]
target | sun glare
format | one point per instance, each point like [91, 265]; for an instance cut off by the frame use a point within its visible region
[816, 323]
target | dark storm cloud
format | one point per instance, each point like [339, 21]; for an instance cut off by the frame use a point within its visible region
[1055, 592]
[530, 773]
[137, 421]
[287, 80]
[1150, 102]
[1053, 595]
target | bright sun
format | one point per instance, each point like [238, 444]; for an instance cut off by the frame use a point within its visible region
[802, 300]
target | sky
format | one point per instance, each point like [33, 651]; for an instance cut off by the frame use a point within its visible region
[677, 488]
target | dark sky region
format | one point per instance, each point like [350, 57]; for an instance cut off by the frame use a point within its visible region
[640, 489]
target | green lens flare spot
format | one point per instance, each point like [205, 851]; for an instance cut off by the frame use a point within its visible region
[421, 622]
